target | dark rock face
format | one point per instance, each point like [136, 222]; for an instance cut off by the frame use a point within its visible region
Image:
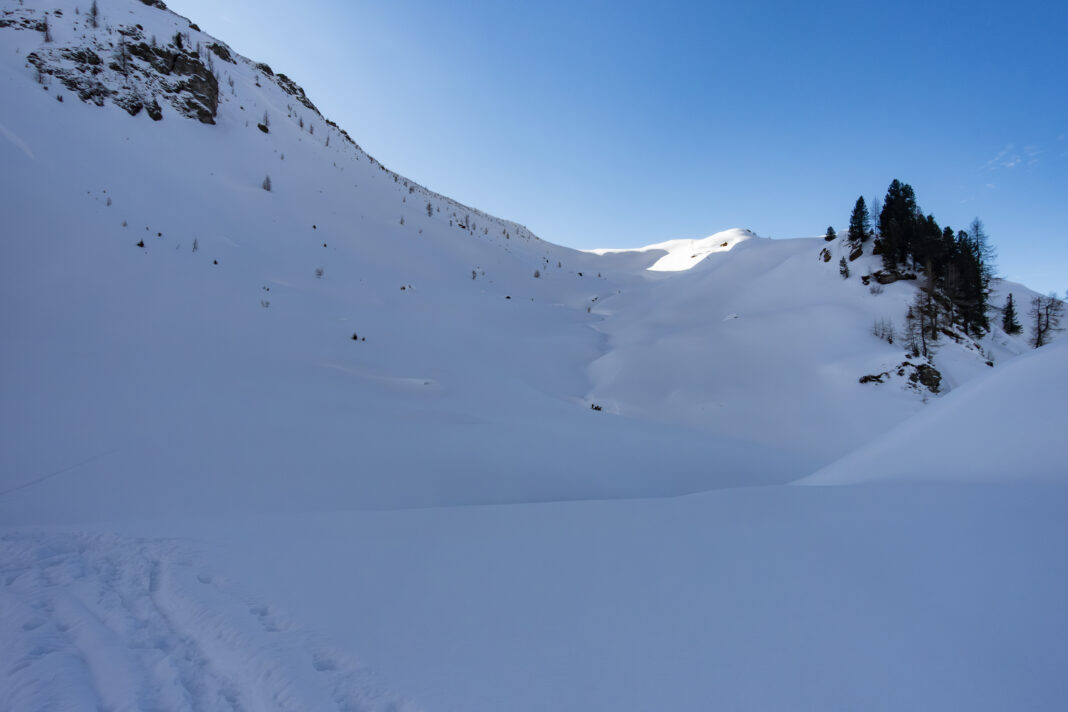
[290, 87]
[136, 76]
[202, 86]
[154, 110]
[927, 376]
[918, 374]
[856, 253]
[222, 52]
[887, 277]
[83, 81]
[122, 67]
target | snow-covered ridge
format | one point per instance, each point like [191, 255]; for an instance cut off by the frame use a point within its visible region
[684, 254]
[141, 53]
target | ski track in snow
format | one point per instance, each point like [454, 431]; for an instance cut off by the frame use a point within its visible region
[105, 623]
[16, 141]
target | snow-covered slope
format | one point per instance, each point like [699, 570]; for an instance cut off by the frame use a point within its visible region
[675, 255]
[213, 368]
[1000, 428]
[219, 403]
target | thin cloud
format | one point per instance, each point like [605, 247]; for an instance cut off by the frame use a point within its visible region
[1032, 153]
[1011, 157]
[1008, 157]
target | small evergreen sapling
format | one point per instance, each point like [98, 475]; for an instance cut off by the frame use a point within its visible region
[1009, 324]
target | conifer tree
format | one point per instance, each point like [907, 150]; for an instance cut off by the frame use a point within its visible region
[897, 223]
[831, 234]
[1009, 324]
[859, 223]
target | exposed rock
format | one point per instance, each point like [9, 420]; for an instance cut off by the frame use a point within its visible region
[825, 255]
[928, 376]
[921, 374]
[293, 89]
[154, 110]
[82, 56]
[181, 78]
[155, 3]
[857, 252]
[891, 276]
[131, 102]
[81, 80]
[202, 86]
[222, 52]
[265, 68]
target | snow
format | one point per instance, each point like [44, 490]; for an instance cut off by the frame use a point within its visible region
[962, 438]
[136, 625]
[684, 254]
[213, 497]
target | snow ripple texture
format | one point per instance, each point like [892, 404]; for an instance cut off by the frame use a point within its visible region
[94, 622]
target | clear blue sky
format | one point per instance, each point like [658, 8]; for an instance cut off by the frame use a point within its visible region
[625, 123]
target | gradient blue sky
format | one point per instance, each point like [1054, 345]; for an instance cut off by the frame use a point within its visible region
[619, 124]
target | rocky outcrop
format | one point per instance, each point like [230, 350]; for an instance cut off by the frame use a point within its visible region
[293, 89]
[135, 75]
[927, 376]
[917, 375]
[222, 52]
[888, 276]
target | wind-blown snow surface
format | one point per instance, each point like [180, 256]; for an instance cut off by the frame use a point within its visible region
[215, 498]
[963, 438]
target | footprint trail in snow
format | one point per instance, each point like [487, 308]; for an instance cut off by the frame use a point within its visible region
[102, 622]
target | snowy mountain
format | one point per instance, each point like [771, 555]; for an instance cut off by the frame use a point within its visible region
[272, 412]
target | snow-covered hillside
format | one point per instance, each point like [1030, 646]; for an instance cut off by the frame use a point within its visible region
[406, 423]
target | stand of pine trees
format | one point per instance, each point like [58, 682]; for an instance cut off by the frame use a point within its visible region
[958, 265]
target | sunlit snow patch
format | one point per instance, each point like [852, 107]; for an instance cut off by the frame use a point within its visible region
[683, 254]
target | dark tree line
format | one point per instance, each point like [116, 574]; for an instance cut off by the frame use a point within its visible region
[958, 265]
